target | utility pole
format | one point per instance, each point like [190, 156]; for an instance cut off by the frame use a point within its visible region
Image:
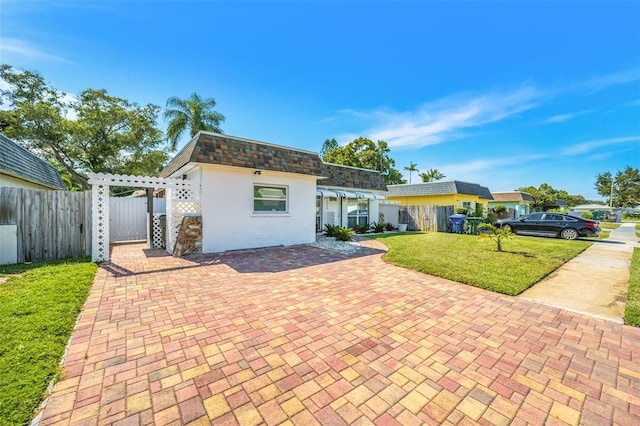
[611, 196]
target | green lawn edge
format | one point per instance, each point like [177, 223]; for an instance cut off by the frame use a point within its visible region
[38, 311]
[464, 259]
[632, 307]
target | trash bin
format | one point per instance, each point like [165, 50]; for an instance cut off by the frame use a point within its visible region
[473, 224]
[457, 223]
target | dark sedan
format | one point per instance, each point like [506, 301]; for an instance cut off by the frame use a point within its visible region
[551, 225]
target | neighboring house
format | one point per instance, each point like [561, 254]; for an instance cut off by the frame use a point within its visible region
[450, 193]
[21, 169]
[519, 202]
[256, 194]
[558, 204]
[590, 207]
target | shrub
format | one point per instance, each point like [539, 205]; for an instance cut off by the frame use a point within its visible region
[330, 230]
[342, 234]
[631, 216]
[389, 226]
[490, 218]
[499, 209]
[462, 210]
[378, 227]
[586, 215]
[361, 229]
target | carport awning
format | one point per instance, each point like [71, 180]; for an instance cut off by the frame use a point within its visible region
[326, 193]
[348, 194]
[370, 196]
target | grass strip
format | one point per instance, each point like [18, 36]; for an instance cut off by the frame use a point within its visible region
[38, 310]
[462, 258]
[632, 308]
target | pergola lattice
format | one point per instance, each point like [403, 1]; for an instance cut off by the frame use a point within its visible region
[183, 198]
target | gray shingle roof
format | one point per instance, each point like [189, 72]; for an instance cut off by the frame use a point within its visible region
[439, 188]
[18, 162]
[214, 148]
[351, 177]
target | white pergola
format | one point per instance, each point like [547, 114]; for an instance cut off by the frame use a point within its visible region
[183, 198]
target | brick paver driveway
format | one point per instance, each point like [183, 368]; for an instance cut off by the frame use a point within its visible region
[304, 336]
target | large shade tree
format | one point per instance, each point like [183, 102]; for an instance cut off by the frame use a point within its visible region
[194, 114]
[621, 190]
[94, 132]
[545, 196]
[364, 153]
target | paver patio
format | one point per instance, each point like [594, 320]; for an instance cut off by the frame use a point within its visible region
[305, 336]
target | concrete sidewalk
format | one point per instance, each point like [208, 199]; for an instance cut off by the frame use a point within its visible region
[595, 282]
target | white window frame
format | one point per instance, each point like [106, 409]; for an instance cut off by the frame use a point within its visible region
[358, 216]
[266, 185]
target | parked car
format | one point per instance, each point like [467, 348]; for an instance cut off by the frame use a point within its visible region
[551, 225]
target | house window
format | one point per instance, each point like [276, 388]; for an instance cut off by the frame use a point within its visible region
[269, 199]
[357, 212]
[467, 205]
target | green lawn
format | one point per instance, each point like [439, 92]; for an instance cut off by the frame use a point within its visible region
[632, 308]
[608, 225]
[462, 258]
[38, 310]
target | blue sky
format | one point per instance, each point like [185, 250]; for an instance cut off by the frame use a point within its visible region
[504, 94]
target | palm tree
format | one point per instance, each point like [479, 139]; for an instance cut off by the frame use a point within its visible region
[411, 168]
[193, 113]
[431, 175]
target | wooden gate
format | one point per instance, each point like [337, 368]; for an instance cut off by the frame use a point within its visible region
[48, 224]
[128, 217]
[426, 218]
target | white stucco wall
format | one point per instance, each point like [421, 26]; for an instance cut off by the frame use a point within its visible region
[228, 220]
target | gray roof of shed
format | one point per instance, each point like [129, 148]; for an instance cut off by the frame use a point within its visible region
[439, 188]
[20, 163]
[215, 148]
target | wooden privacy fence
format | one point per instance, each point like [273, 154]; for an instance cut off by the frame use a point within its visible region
[50, 224]
[426, 218]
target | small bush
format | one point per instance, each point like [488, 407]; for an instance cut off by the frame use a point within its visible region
[490, 218]
[499, 209]
[330, 230]
[342, 234]
[378, 227]
[361, 229]
[389, 226]
[631, 216]
[586, 215]
[462, 210]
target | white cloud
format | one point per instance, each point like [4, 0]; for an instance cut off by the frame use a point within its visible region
[599, 83]
[486, 165]
[586, 147]
[23, 48]
[560, 118]
[446, 118]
